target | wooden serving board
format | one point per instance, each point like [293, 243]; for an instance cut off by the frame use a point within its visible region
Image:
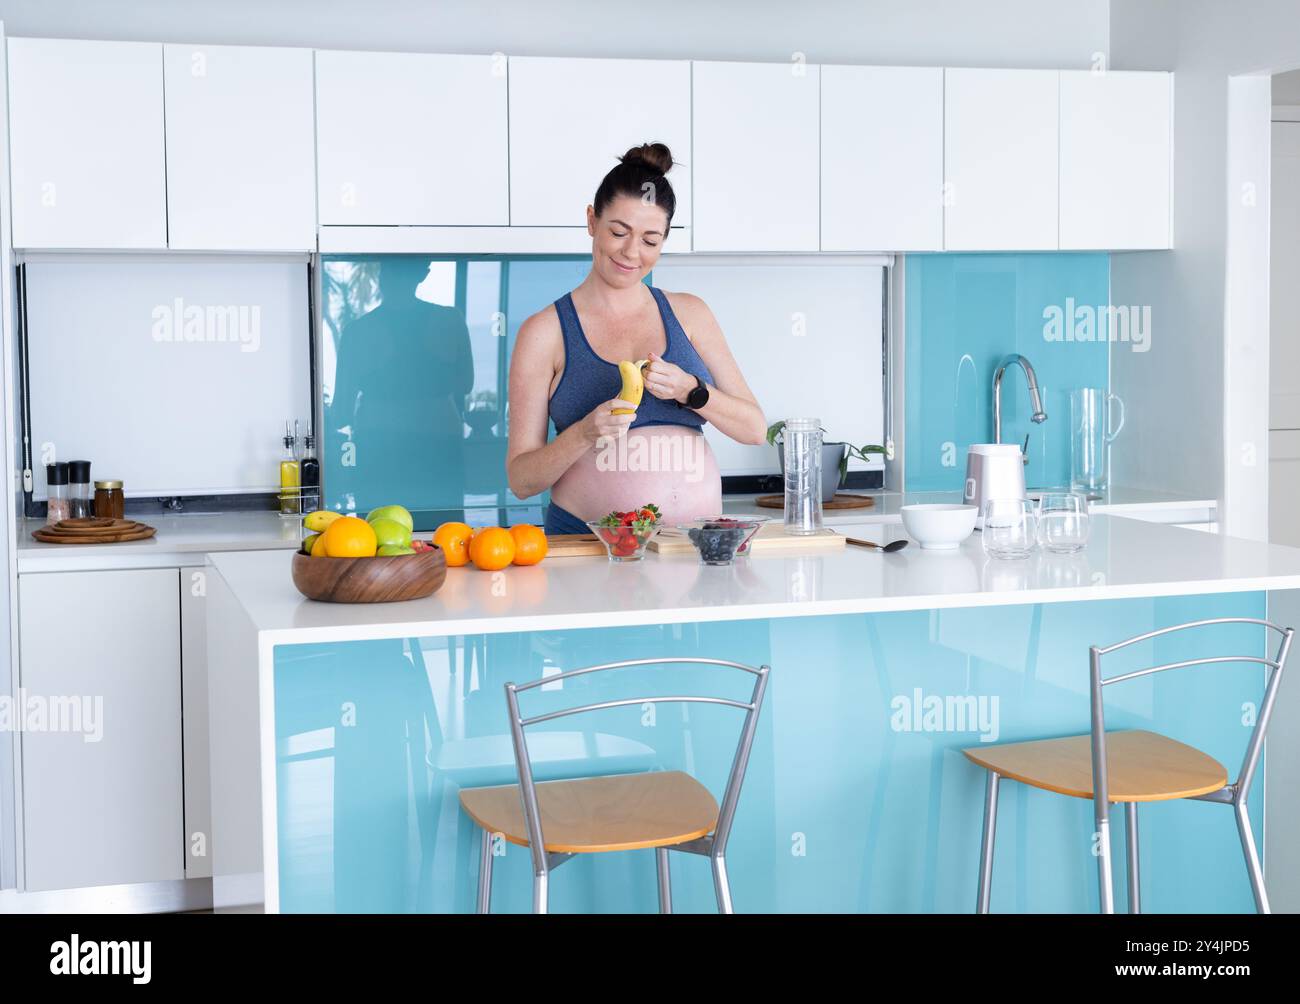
[574, 545]
[94, 531]
[842, 500]
[770, 539]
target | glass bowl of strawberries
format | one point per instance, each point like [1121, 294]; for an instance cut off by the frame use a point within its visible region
[625, 534]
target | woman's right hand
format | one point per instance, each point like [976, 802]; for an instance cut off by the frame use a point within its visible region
[602, 423]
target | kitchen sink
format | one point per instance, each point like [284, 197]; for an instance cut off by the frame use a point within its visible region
[1036, 494]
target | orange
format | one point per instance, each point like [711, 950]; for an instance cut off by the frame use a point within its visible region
[492, 548]
[530, 544]
[453, 538]
[318, 546]
[349, 537]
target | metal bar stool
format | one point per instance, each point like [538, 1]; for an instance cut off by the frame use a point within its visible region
[663, 810]
[1139, 766]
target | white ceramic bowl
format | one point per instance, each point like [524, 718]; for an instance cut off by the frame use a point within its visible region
[939, 527]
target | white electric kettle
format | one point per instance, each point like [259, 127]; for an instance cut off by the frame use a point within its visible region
[993, 471]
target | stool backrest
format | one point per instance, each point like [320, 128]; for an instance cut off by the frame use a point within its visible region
[518, 723]
[1253, 747]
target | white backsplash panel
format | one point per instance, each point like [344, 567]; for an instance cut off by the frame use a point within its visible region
[809, 339]
[175, 377]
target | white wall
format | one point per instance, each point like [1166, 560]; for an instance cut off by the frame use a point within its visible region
[1209, 302]
[945, 32]
[1179, 392]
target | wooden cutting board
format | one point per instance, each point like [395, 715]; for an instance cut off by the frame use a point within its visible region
[93, 531]
[574, 545]
[842, 500]
[770, 539]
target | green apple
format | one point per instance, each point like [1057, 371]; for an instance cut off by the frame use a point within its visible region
[396, 513]
[390, 533]
[392, 550]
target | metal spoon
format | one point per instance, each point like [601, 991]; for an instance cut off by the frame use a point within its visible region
[890, 548]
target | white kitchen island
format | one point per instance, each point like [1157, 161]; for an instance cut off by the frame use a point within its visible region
[340, 733]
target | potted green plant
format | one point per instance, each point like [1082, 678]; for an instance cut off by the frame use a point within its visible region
[835, 458]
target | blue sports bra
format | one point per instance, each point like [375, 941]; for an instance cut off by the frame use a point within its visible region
[588, 379]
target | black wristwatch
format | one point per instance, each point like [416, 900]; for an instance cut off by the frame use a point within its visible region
[697, 398]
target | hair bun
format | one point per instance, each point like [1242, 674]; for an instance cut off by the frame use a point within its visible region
[654, 156]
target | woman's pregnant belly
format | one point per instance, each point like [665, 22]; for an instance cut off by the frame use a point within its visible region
[669, 465]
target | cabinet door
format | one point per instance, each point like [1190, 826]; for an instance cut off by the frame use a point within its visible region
[411, 139]
[86, 144]
[241, 157]
[1283, 486]
[1000, 160]
[558, 158]
[1115, 129]
[194, 718]
[1284, 291]
[101, 780]
[882, 158]
[756, 157]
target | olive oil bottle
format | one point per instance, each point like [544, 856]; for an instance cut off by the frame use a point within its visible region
[290, 475]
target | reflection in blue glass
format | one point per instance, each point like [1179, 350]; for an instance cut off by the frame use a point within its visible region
[964, 312]
[856, 799]
[414, 380]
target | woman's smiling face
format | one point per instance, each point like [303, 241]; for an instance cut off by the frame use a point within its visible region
[626, 239]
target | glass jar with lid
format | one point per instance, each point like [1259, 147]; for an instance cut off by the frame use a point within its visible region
[56, 493]
[79, 500]
[110, 502]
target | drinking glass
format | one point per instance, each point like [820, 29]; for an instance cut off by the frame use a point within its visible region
[1009, 530]
[1063, 522]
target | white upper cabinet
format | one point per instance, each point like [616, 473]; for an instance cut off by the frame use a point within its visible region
[1115, 159]
[411, 139]
[881, 158]
[757, 157]
[241, 155]
[557, 157]
[86, 144]
[1000, 159]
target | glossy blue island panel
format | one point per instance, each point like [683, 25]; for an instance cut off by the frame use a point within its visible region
[857, 797]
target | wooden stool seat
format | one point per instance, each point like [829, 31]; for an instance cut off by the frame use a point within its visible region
[1141, 766]
[619, 812]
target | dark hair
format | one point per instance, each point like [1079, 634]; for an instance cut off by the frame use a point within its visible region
[640, 174]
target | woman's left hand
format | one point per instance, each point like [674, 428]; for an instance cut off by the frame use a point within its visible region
[667, 381]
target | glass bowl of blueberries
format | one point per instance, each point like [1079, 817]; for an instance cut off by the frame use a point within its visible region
[754, 522]
[719, 540]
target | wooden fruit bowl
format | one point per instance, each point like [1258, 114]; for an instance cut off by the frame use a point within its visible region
[370, 580]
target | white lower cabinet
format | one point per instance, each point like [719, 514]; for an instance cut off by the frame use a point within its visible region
[102, 787]
[194, 716]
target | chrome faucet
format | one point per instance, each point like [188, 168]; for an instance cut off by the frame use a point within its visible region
[1035, 400]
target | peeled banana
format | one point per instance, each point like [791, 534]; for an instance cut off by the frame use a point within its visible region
[319, 520]
[633, 385]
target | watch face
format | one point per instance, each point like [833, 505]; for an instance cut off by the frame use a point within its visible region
[699, 397]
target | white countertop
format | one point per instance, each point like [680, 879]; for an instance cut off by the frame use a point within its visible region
[1125, 558]
[192, 534]
[185, 537]
[1160, 506]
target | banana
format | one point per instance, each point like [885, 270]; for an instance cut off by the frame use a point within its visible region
[633, 386]
[319, 520]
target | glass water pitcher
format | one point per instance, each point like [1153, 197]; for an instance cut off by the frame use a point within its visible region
[1096, 418]
[802, 446]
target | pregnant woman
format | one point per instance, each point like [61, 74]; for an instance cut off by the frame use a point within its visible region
[565, 368]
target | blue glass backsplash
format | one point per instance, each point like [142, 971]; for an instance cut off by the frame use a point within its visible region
[414, 366]
[964, 312]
